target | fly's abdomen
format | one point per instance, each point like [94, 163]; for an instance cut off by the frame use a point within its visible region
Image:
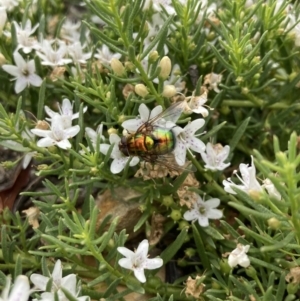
[164, 141]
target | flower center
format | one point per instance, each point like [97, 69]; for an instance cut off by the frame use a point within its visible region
[202, 210]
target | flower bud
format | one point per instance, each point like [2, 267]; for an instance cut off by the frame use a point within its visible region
[176, 215]
[166, 66]
[274, 223]
[251, 272]
[117, 67]
[153, 56]
[141, 90]
[112, 131]
[190, 252]
[169, 91]
[224, 267]
[129, 66]
[42, 125]
[168, 201]
[2, 59]
[292, 288]
[183, 225]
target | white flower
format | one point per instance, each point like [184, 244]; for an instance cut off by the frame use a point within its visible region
[58, 135]
[68, 283]
[215, 155]
[132, 125]
[239, 256]
[76, 52]
[53, 57]
[196, 104]
[249, 182]
[138, 261]
[120, 160]
[24, 73]
[95, 135]
[20, 291]
[158, 4]
[105, 56]
[65, 112]
[212, 80]
[25, 42]
[70, 30]
[203, 211]
[271, 189]
[9, 4]
[186, 139]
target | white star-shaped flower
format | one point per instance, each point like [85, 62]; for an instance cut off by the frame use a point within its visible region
[138, 261]
[25, 42]
[20, 291]
[105, 56]
[76, 53]
[249, 182]
[65, 112]
[239, 256]
[24, 73]
[51, 56]
[58, 135]
[203, 211]
[68, 283]
[214, 156]
[120, 160]
[95, 135]
[186, 139]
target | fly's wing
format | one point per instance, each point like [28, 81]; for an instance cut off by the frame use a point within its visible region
[171, 114]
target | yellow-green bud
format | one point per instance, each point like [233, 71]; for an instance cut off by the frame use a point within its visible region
[141, 90]
[129, 66]
[43, 167]
[183, 225]
[112, 131]
[292, 288]
[176, 215]
[168, 201]
[166, 67]
[274, 223]
[2, 59]
[117, 67]
[190, 252]
[153, 56]
[169, 91]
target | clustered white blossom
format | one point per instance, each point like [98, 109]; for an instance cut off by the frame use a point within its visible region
[61, 129]
[239, 256]
[21, 288]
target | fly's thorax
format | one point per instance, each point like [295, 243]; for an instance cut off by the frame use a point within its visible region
[123, 145]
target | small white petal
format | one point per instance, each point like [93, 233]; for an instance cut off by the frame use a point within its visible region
[203, 221]
[21, 289]
[153, 263]
[140, 275]
[118, 165]
[125, 263]
[125, 252]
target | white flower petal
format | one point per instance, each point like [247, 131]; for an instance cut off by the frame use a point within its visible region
[57, 271]
[118, 165]
[39, 281]
[214, 214]
[140, 275]
[12, 70]
[153, 263]
[203, 221]
[126, 263]
[64, 144]
[144, 112]
[143, 248]
[132, 125]
[72, 131]
[125, 252]
[21, 289]
[21, 84]
[212, 203]
[191, 215]
[46, 142]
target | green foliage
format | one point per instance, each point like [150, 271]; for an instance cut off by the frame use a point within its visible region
[253, 107]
